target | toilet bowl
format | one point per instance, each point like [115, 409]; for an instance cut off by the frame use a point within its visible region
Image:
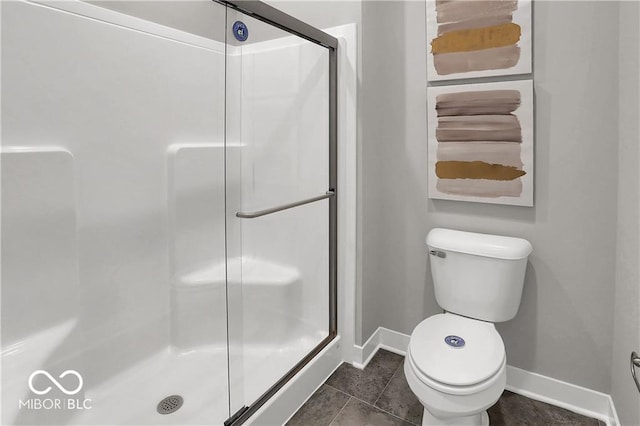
[457, 382]
[456, 362]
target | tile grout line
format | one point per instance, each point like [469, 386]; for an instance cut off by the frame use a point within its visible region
[341, 410]
[365, 402]
[339, 390]
[380, 409]
[387, 385]
[380, 396]
[368, 403]
[335, 389]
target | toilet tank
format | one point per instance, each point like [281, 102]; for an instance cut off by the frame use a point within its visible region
[478, 275]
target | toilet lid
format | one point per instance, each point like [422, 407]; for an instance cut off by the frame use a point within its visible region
[456, 350]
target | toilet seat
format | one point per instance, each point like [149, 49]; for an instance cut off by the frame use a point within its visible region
[456, 390]
[459, 365]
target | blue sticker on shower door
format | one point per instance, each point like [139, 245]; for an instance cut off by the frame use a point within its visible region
[240, 31]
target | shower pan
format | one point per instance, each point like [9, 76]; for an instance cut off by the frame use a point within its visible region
[168, 209]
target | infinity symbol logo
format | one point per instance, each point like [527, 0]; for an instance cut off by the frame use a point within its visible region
[55, 382]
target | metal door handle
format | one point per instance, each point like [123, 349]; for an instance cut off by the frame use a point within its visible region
[635, 362]
[251, 215]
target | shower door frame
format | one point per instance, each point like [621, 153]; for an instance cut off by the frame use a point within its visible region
[272, 16]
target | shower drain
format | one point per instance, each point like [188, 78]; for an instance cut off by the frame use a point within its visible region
[170, 404]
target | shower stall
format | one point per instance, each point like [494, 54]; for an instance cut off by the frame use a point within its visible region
[168, 209]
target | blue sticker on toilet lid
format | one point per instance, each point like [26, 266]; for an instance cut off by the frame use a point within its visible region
[454, 341]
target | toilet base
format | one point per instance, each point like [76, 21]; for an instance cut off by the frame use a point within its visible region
[480, 419]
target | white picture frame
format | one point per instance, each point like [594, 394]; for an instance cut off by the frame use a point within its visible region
[500, 60]
[465, 188]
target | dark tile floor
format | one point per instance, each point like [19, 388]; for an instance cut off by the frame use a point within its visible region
[380, 396]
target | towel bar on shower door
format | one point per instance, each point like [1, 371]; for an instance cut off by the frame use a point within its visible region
[252, 215]
[635, 362]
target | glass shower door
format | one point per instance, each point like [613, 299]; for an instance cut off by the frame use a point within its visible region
[277, 203]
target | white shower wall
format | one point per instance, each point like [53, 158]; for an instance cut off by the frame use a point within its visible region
[111, 101]
[120, 241]
[66, 86]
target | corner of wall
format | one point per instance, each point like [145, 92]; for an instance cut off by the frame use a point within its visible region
[626, 321]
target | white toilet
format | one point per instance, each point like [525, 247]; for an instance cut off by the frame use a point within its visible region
[456, 362]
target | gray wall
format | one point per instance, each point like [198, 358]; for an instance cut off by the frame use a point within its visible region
[396, 287]
[568, 297]
[626, 334]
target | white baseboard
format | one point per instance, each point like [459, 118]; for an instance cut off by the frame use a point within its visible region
[382, 338]
[562, 394]
[532, 385]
